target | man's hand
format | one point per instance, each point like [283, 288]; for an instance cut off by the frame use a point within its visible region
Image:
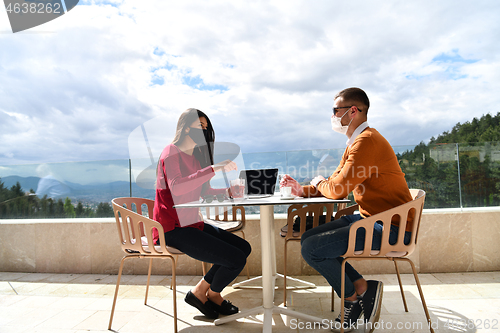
[226, 165]
[296, 187]
[316, 180]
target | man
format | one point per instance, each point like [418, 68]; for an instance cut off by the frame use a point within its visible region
[369, 168]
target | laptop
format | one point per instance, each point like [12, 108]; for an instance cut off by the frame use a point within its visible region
[259, 183]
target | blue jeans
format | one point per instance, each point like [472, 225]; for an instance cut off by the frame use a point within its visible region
[225, 250]
[323, 246]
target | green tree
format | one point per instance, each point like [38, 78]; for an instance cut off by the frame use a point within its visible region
[79, 210]
[69, 209]
[44, 207]
[16, 191]
[104, 210]
[59, 209]
[3, 191]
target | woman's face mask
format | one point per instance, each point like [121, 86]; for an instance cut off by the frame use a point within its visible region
[198, 135]
[337, 124]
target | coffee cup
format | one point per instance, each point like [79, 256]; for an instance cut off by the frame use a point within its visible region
[286, 191]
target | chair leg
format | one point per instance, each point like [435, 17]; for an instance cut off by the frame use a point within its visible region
[401, 286]
[116, 292]
[333, 299]
[421, 293]
[342, 295]
[284, 274]
[173, 285]
[248, 270]
[174, 267]
[204, 268]
[174, 290]
[149, 277]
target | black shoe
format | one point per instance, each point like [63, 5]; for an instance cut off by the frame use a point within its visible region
[206, 308]
[352, 312]
[371, 302]
[226, 308]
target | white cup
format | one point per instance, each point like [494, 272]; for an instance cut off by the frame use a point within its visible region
[286, 191]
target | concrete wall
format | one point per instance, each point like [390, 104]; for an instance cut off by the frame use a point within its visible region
[450, 240]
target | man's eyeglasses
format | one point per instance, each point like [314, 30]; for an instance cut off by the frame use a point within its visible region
[335, 110]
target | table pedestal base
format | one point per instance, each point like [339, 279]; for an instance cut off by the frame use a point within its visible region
[269, 276]
[268, 316]
[243, 284]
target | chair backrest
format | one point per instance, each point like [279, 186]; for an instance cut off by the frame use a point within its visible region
[409, 211]
[135, 230]
[221, 213]
[303, 211]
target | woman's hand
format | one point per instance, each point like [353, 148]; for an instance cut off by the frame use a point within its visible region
[287, 181]
[226, 165]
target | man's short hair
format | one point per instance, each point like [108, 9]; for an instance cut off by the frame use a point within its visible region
[355, 95]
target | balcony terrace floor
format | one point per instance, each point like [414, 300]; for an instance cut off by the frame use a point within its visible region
[77, 303]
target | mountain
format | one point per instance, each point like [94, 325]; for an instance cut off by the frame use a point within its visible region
[93, 193]
[27, 183]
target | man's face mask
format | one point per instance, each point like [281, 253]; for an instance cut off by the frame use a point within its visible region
[337, 124]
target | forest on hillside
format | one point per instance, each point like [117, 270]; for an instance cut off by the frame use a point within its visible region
[459, 168]
[15, 203]
[485, 129]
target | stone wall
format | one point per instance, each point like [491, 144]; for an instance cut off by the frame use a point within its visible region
[450, 240]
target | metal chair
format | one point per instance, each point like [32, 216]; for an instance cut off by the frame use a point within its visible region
[393, 252]
[302, 211]
[135, 233]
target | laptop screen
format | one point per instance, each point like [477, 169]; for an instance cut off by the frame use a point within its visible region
[260, 182]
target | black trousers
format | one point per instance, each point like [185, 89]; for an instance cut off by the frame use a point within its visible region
[227, 252]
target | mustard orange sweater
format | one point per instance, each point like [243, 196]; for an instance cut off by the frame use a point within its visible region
[370, 169]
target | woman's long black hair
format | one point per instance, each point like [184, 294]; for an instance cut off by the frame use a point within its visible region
[204, 154]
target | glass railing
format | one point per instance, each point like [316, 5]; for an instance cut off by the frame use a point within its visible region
[453, 175]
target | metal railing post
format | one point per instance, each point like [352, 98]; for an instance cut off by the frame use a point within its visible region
[130, 175]
[459, 182]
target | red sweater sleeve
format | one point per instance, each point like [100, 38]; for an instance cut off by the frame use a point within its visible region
[177, 183]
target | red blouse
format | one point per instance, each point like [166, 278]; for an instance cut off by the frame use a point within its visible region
[184, 183]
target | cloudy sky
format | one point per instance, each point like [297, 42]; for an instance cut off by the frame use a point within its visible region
[82, 87]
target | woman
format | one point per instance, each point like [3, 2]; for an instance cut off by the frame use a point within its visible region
[184, 170]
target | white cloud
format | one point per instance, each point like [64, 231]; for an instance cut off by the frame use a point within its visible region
[264, 71]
